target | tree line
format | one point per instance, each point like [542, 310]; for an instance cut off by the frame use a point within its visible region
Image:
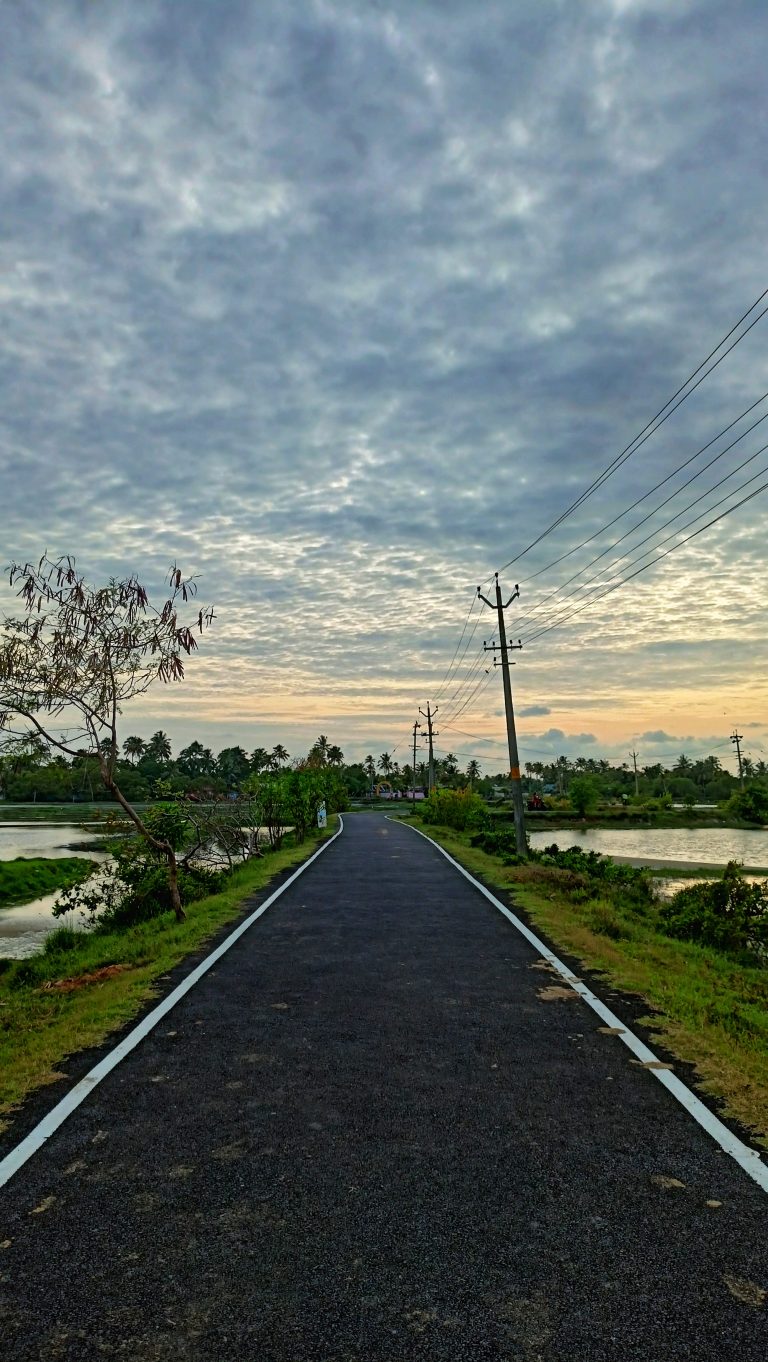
[696, 780]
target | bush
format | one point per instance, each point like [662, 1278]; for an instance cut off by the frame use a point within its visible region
[751, 804]
[459, 809]
[62, 940]
[729, 914]
[583, 794]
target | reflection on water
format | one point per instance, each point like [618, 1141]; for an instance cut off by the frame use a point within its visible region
[701, 846]
[667, 888]
[23, 929]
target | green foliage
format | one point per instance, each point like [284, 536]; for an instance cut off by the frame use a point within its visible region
[751, 804]
[459, 809]
[729, 914]
[591, 873]
[134, 885]
[291, 799]
[168, 823]
[583, 794]
[62, 941]
[28, 878]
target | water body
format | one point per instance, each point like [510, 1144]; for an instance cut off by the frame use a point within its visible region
[23, 929]
[697, 846]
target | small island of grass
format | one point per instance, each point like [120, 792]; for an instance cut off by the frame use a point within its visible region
[28, 877]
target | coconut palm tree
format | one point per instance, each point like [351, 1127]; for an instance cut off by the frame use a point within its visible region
[279, 755]
[473, 772]
[134, 747]
[159, 746]
[385, 763]
[369, 766]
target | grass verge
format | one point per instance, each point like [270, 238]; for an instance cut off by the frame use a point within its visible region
[710, 1009]
[40, 1024]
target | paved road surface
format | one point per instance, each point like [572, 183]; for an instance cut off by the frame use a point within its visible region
[365, 1137]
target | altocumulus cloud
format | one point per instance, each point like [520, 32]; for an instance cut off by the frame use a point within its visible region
[341, 305]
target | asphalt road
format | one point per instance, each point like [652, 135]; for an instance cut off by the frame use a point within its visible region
[365, 1136]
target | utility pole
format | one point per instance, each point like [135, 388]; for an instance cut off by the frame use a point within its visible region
[633, 755]
[416, 728]
[429, 716]
[737, 738]
[504, 649]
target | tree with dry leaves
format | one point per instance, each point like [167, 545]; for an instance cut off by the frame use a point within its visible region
[77, 653]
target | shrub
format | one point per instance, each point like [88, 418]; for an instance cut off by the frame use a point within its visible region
[459, 809]
[583, 794]
[604, 920]
[62, 940]
[751, 804]
[729, 914]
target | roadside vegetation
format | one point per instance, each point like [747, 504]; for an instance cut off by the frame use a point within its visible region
[30, 877]
[700, 960]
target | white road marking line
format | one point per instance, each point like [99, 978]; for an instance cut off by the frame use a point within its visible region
[50, 1123]
[749, 1159]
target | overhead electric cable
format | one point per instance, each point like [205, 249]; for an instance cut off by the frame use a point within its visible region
[530, 617]
[473, 603]
[569, 552]
[651, 426]
[609, 590]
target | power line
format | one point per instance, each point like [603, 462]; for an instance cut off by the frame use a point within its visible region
[569, 552]
[661, 556]
[651, 426]
[658, 545]
[441, 687]
[597, 575]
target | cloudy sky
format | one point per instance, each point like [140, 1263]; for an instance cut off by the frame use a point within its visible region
[341, 305]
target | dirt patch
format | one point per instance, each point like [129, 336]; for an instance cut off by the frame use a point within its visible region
[748, 1292]
[96, 976]
[669, 1184]
[554, 992]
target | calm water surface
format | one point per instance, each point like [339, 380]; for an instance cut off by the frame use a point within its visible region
[23, 929]
[702, 846]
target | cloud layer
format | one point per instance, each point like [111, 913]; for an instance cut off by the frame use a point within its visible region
[340, 306]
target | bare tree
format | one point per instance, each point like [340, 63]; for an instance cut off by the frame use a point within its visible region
[77, 653]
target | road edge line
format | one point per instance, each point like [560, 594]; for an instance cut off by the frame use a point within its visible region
[56, 1117]
[749, 1159]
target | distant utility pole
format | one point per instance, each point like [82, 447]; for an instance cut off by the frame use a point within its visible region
[504, 649]
[416, 729]
[429, 716]
[633, 755]
[738, 738]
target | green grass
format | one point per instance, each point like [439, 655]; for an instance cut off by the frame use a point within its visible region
[29, 877]
[709, 1008]
[41, 1025]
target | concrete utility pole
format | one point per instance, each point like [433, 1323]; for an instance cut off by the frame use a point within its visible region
[429, 716]
[514, 760]
[738, 738]
[416, 729]
[633, 755]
